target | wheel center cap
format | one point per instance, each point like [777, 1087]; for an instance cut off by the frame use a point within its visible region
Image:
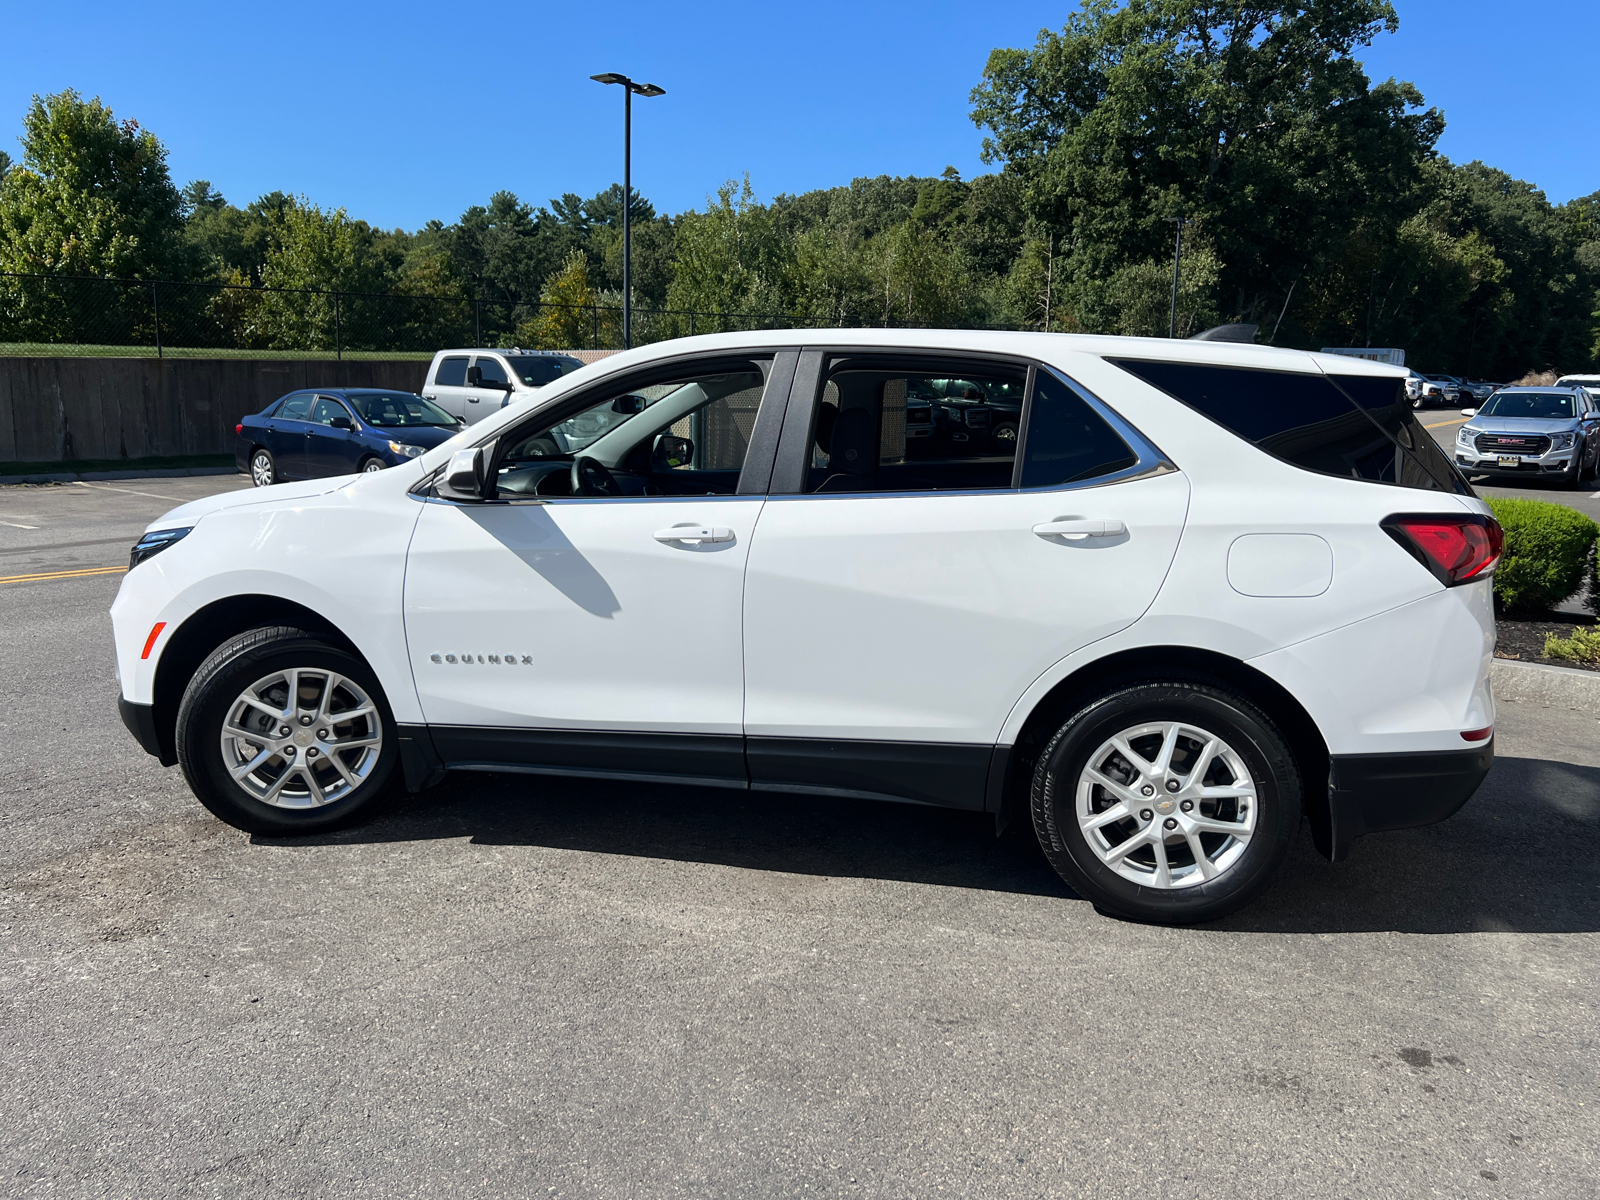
[304, 738]
[1166, 806]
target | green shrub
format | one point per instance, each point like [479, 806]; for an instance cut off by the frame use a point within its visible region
[1582, 646]
[1546, 554]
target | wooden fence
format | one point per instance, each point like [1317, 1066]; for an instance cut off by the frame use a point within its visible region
[59, 409]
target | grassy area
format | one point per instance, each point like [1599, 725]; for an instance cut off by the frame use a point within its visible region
[83, 466]
[75, 350]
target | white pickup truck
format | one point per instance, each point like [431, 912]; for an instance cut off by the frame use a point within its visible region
[472, 384]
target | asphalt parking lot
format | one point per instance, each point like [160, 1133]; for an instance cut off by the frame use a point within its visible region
[510, 986]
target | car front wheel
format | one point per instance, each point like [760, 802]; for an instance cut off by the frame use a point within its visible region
[263, 471]
[372, 466]
[1170, 802]
[282, 732]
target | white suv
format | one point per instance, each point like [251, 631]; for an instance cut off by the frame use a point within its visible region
[1208, 589]
[472, 384]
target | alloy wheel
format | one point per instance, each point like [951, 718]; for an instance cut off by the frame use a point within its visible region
[261, 470]
[1166, 805]
[372, 466]
[301, 738]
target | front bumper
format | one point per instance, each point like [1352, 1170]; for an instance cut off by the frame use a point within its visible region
[141, 722]
[1557, 464]
[1375, 793]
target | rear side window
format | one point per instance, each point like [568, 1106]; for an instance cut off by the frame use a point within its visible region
[452, 373]
[296, 408]
[1355, 427]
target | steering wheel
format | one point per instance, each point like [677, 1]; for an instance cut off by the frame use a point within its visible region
[591, 477]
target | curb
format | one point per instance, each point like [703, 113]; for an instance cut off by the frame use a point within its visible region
[1551, 687]
[89, 476]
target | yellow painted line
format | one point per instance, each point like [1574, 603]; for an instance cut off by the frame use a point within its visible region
[1442, 424]
[43, 575]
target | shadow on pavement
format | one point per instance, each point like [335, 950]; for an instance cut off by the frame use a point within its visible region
[1523, 856]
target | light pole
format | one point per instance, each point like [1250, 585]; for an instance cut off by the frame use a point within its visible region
[629, 88]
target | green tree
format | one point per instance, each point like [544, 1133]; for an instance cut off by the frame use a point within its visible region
[317, 269]
[1252, 115]
[730, 261]
[92, 197]
[569, 310]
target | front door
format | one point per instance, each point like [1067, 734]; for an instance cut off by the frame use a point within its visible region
[487, 387]
[906, 593]
[448, 388]
[331, 450]
[589, 619]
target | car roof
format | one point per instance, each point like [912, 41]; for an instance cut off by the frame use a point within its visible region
[512, 353]
[1047, 346]
[1548, 389]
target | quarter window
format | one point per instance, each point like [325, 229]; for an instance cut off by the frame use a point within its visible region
[1068, 442]
[296, 408]
[1363, 428]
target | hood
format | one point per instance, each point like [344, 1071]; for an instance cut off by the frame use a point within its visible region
[428, 436]
[190, 514]
[1483, 424]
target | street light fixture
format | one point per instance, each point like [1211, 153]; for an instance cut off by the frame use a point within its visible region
[629, 90]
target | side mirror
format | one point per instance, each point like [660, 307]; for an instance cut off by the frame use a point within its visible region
[628, 405]
[1469, 412]
[671, 451]
[463, 477]
[341, 423]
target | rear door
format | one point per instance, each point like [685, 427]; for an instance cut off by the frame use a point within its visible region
[286, 435]
[449, 387]
[901, 596]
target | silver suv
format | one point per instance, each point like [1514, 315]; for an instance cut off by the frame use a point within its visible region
[1533, 432]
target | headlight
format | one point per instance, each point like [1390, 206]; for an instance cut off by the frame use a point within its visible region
[154, 543]
[1562, 441]
[408, 450]
[1466, 433]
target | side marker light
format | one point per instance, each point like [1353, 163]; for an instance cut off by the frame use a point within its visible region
[155, 632]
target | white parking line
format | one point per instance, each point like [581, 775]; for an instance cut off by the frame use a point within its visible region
[106, 487]
[18, 525]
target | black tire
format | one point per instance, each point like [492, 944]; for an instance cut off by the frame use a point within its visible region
[263, 468]
[1263, 750]
[235, 666]
[372, 463]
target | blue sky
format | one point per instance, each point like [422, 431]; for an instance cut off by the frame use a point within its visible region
[403, 111]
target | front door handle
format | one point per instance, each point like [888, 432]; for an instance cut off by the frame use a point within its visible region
[1077, 530]
[694, 535]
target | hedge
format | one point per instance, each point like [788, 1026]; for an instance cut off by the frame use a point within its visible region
[1549, 548]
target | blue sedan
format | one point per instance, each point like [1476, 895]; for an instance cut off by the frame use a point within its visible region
[306, 435]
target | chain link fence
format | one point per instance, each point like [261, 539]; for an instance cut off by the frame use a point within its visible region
[60, 315]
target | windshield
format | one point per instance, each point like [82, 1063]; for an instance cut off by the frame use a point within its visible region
[1552, 406]
[390, 409]
[538, 371]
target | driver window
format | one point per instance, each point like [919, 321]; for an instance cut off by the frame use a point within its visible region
[327, 410]
[489, 370]
[683, 436]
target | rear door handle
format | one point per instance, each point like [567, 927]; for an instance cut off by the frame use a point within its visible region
[1077, 530]
[694, 535]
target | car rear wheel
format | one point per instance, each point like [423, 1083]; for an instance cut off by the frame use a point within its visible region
[282, 732]
[1169, 801]
[371, 466]
[263, 471]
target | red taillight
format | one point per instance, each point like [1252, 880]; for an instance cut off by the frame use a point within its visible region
[239, 428]
[1456, 549]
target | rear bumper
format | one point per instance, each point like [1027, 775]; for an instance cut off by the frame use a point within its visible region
[1374, 793]
[141, 722]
